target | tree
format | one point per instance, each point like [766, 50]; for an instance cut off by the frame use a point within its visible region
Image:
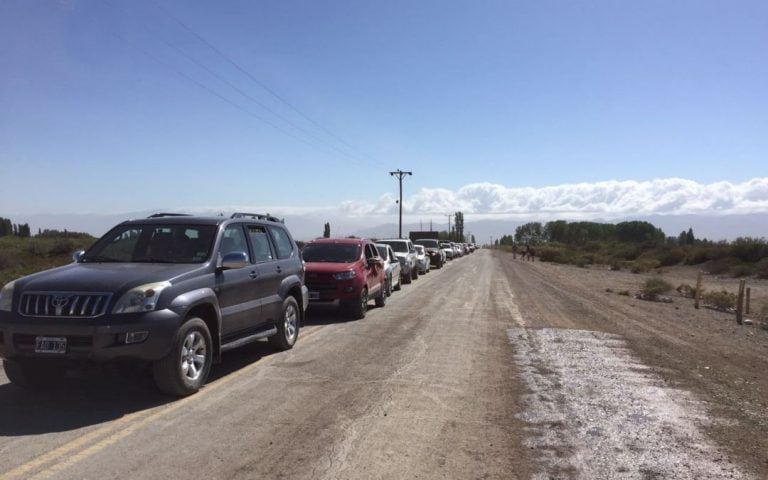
[458, 227]
[531, 232]
[689, 238]
[638, 232]
[327, 230]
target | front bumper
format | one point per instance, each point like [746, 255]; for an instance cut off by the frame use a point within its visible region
[98, 339]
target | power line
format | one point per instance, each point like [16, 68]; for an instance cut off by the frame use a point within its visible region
[253, 78]
[231, 85]
[400, 174]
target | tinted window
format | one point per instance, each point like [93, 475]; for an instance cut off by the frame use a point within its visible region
[283, 242]
[331, 252]
[233, 241]
[262, 252]
[154, 244]
[382, 251]
[427, 243]
[397, 246]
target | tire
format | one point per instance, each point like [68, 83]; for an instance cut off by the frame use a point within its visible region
[359, 308]
[381, 299]
[407, 278]
[399, 284]
[185, 368]
[288, 327]
[415, 273]
[388, 286]
[34, 374]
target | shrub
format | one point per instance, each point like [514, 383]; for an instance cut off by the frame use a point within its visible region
[548, 253]
[670, 256]
[9, 260]
[643, 265]
[624, 293]
[742, 270]
[38, 248]
[62, 246]
[761, 268]
[655, 286]
[722, 300]
[721, 266]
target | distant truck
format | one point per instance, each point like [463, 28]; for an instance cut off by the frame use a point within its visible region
[419, 235]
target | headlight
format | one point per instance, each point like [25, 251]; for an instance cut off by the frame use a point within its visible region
[345, 275]
[6, 297]
[140, 299]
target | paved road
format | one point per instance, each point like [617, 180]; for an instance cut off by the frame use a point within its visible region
[488, 368]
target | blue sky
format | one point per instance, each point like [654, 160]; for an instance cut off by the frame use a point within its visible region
[102, 112]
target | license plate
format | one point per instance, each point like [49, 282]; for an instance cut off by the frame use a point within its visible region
[50, 344]
[314, 295]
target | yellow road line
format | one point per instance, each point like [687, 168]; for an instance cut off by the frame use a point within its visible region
[118, 433]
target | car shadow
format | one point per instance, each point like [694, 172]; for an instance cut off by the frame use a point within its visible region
[326, 314]
[99, 394]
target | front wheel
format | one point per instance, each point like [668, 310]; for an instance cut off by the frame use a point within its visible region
[381, 300]
[358, 308]
[185, 368]
[288, 327]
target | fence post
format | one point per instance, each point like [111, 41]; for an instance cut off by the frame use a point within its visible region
[697, 296]
[740, 302]
[746, 308]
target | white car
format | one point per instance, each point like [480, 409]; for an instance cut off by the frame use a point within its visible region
[422, 259]
[391, 267]
[448, 249]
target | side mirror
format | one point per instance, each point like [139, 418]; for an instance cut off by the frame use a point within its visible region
[233, 260]
[373, 261]
[78, 255]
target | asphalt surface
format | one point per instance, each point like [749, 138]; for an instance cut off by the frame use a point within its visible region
[485, 369]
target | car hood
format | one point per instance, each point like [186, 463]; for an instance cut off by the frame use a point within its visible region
[103, 277]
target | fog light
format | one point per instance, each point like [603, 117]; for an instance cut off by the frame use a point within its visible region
[135, 337]
[348, 288]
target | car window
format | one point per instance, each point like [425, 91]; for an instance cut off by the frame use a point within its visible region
[233, 240]
[370, 252]
[397, 246]
[331, 253]
[382, 251]
[262, 251]
[121, 246]
[154, 244]
[283, 242]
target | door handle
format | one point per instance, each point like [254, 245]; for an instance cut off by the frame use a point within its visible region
[253, 274]
[279, 269]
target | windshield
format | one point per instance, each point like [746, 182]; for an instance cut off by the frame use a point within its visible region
[397, 246]
[331, 253]
[445, 245]
[153, 244]
[420, 249]
[427, 243]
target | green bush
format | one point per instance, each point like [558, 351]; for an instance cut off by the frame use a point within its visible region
[38, 247]
[62, 246]
[549, 253]
[655, 286]
[742, 270]
[670, 256]
[761, 268]
[721, 266]
[722, 299]
[643, 265]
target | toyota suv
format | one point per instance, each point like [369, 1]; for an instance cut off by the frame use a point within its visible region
[175, 291]
[347, 270]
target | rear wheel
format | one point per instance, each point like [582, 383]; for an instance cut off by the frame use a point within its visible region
[34, 373]
[185, 368]
[288, 327]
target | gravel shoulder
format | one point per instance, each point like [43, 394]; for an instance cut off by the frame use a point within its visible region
[700, 351]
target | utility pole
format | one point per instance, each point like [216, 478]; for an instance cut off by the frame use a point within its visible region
[449, 228]
[400, 174]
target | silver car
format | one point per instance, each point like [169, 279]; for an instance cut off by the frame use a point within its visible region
[391, 267]
[422, 259]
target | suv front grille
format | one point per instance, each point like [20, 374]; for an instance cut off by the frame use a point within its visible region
[64, 304]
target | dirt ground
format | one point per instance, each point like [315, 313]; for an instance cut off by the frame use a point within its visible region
[702, 351]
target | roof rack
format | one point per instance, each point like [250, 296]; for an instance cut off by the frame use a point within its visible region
[165, 214]
[258, 216]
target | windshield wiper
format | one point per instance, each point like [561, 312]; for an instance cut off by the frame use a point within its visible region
[98, 259]
[153, 260]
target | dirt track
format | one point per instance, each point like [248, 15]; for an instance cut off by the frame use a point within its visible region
[488, 368]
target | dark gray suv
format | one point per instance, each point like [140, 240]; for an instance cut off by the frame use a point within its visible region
[173, 290]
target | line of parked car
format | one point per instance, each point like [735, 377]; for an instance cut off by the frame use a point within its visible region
[352, 271]
[174, 292]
